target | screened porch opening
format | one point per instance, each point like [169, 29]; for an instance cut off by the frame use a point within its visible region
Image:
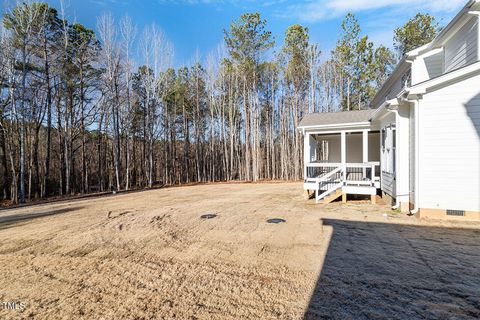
[343, 159]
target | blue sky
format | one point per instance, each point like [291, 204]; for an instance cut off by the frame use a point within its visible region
[197, 25]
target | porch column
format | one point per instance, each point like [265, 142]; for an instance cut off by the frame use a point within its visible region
[344, 152]
[306, 153]
[365, 152]
[365, 146]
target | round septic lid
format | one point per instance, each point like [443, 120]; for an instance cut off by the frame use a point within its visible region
[276, 220]
[208, 216]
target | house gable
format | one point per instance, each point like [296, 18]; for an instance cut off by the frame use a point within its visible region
[456, 47]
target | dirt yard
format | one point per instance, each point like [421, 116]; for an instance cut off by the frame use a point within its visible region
[150, 255]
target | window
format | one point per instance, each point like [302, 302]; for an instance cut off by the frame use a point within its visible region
[388, 148]
[384, 138]
[407, 78]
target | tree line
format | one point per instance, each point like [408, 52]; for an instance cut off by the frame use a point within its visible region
[84, 111]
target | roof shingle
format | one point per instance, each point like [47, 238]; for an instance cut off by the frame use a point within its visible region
[333, 118]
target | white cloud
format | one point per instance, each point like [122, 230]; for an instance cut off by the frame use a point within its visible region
[197, 2]
[312, 11]
[106, 3]
[345, 5]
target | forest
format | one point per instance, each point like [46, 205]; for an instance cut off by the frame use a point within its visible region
[84, 111]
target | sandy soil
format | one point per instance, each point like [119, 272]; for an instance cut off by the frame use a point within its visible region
[149, 255]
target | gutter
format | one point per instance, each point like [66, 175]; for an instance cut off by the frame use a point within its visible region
[336, 125]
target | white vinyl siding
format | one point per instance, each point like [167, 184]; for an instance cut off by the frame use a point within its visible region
[434, 65]
[462, 49]
[449, 168]
[427, 66]
[388, 184]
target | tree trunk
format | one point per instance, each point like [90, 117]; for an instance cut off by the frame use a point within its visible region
[3, 147]
[116, 128]
[22, 123]
[84, 178]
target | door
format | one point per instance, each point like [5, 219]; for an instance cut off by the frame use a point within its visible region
[388, 159]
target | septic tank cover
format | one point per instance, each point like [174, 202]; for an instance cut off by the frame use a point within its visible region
[276, 220]
[208, 216]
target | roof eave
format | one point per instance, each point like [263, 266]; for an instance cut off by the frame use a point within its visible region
[386, 106]
[397, 72]
[336, 126]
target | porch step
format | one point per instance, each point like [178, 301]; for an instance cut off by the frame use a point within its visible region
[332, 197]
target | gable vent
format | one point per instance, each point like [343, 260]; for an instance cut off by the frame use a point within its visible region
[456, 213]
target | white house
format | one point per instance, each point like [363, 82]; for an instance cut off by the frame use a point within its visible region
[420, 142]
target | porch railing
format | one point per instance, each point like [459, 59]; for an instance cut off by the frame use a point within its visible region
[317, 171]
[362, 173]
[354, 171]
[328, 177]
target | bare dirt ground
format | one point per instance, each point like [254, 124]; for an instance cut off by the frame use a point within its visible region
[149, 255]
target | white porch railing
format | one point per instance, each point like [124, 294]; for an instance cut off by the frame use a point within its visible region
[328, 177]
[362, 173]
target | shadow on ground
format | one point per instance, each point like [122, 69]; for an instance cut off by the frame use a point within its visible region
[9, 221]
[388, 271]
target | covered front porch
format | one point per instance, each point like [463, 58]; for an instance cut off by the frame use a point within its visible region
[342, 162]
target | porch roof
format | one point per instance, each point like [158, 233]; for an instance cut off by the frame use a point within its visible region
[312, 120]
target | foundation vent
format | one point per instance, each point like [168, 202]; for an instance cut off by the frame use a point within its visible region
[456, 213]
